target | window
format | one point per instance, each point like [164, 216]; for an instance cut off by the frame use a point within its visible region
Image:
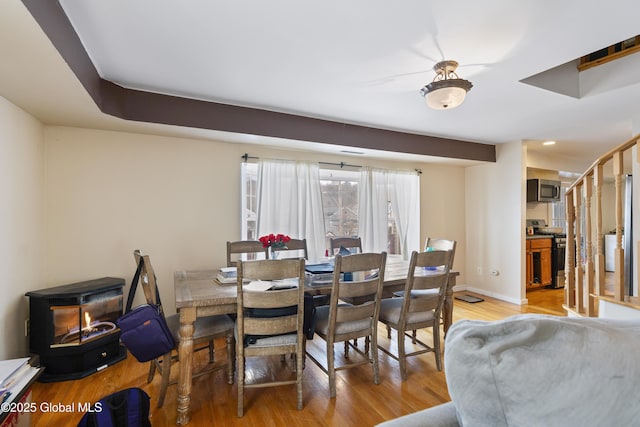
[249, 196]
[339, 189]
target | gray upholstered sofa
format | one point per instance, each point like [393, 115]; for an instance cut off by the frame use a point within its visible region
[536, 370]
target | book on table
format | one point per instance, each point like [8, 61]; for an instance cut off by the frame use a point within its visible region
[227, 275]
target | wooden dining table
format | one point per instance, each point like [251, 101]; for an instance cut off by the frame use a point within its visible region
[198, 294]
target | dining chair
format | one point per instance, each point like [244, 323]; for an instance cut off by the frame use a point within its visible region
[252, 248]
[275, 334]
[294, 248]
[206, 331]
[340, 321]
[350, 243]
[428, 272]
[431, 244]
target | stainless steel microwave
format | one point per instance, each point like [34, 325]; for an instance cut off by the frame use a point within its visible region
[543, 190]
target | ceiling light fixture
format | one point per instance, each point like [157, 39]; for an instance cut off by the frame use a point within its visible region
[447, 90]
[548, 143]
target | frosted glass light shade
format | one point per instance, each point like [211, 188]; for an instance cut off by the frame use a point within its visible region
[446, 94]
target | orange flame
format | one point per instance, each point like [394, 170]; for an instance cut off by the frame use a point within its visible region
[87, 319]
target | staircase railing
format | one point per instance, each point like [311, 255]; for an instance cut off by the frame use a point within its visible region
[584, 269]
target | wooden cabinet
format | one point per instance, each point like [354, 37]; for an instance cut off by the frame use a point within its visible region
[538, 262]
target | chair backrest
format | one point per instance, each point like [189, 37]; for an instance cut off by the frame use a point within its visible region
[427, 271]
[253, 249]
[296, 247]
[359, 278]
[441, 245]
[270, 270]
[147, 278]
[345, 242]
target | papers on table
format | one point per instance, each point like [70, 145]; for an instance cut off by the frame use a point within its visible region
[15, 375]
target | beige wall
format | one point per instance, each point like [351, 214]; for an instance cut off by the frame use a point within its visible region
[495, 239]
[21, 223]
[108, 193]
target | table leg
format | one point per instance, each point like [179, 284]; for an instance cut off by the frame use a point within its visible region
[447, 309]
[185, 354]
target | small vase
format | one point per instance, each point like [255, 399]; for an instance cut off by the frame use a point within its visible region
[274, 254]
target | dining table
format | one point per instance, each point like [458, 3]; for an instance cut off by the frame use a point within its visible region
[198, 293]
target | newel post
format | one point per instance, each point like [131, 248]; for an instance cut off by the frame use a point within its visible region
[570, 251]
[598, 175]
[619, 251]
[579, 281]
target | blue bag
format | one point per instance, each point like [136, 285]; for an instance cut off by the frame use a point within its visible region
[144, 331]
[124, 408]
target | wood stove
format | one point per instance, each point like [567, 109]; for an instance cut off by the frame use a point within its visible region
[73, 328]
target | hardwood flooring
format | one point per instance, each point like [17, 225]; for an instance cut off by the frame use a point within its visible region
[359, 402]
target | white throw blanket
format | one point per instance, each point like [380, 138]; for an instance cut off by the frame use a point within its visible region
[535, 370]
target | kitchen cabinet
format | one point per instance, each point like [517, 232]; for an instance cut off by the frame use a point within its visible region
[538, 262]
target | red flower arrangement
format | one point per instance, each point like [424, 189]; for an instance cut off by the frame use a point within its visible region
[274, 240]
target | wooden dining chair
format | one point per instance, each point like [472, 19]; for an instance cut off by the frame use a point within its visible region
[270, 322]
[441, 245]
[353, 244]
[431, 244]
[294, 248]
[350, 243]
[252, 248]
[341, 322]
[206, 331]
[428, 272]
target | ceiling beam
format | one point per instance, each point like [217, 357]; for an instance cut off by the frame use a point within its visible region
[137, 105]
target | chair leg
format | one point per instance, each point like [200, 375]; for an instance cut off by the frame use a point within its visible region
[299, 366]
[388, 331]
[331, 371]
[240, 375]
[436, 344]
[346, 349]
[413, 336]
[402, 358]
[152, 371]
[231, 361]
[374, 357]
[166, 374]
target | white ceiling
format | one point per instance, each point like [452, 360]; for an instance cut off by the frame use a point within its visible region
[359, 61]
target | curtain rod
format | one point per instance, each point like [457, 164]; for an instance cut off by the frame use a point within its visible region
[246, 158]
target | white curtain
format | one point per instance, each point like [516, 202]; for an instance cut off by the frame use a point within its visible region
[376, 189]
[290, 202]
[404, 192]
[373, 210]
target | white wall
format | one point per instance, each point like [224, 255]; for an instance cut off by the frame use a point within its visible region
[21, 223]
[108, 193]
[495, 240]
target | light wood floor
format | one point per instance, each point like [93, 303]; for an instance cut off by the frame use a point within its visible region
[359, 402]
